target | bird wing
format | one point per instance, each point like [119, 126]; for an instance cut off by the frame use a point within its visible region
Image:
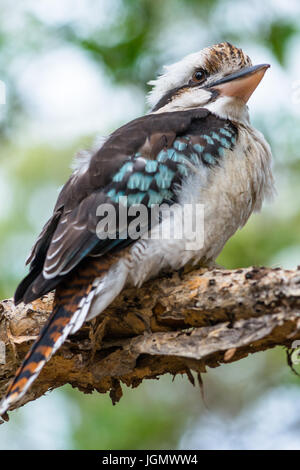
[145, 161]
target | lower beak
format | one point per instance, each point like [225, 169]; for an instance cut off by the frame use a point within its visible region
[241, 84]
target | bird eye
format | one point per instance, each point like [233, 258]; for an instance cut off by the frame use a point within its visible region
[199, 76]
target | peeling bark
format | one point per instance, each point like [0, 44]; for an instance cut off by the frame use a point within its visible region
[178, 323]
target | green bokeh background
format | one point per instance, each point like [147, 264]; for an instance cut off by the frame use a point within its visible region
[128, 46]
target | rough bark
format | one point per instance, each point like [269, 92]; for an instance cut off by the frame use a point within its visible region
[179, 323]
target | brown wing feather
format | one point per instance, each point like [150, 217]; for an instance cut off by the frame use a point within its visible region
[70, 235]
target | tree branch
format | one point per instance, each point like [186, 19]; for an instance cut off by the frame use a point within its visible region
[179, 323]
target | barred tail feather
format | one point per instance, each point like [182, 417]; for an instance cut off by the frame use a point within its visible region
[76, 300]
[62, 322]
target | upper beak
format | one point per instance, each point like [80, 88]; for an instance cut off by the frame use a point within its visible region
[241, 84]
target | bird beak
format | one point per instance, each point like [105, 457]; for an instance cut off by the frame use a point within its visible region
[241, 84]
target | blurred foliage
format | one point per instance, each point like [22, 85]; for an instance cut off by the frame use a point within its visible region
[131, 45]
[142, 420]
[129, 42]
[278, 38]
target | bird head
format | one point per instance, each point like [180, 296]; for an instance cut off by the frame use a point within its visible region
[220, 78]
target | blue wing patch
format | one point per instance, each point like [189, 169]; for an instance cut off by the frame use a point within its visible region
[152, 181]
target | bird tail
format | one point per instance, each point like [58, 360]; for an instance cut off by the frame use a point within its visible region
[64, 320]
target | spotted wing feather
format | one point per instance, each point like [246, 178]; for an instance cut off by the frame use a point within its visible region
[145, 161]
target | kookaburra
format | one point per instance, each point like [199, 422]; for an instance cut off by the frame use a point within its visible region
[195, 146]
